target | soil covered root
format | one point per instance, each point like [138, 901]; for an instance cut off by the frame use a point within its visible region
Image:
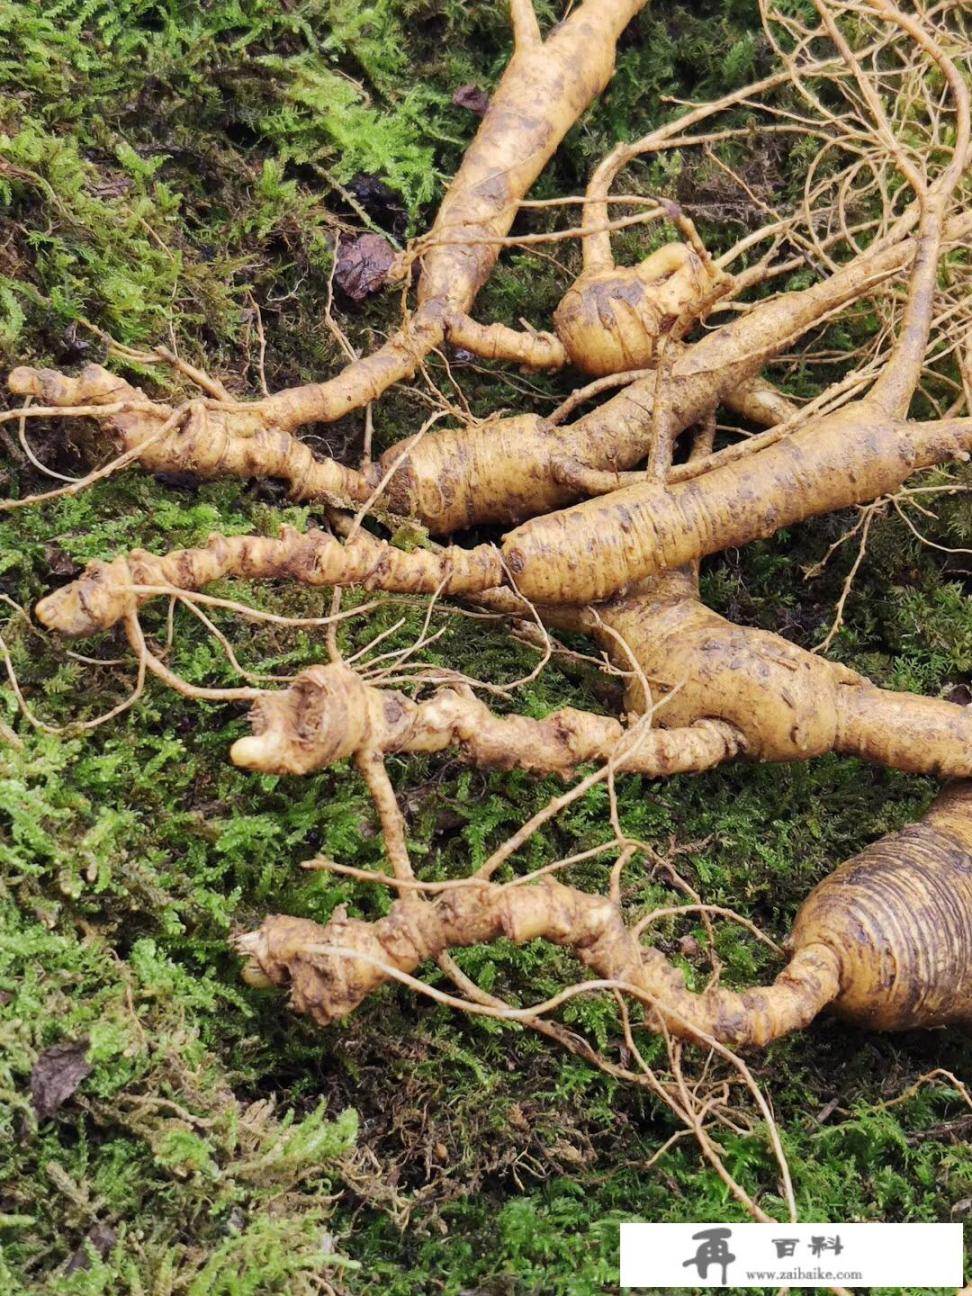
[787, 703]
[885, 941]
[330, 713]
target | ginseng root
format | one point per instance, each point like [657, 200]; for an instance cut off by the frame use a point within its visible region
[718, 691]
[613, 318]
[107, 592]
[587, 553]
[885, 942]
[329, 713]
[503, 470]
[785, 702]
[859, 453]
[546, 86]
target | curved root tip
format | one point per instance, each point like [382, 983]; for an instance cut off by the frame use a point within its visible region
[24, 381]
[252, 946]
[97, 600]
[272, 747]
[46, 611]
[94, 385]
[260, 752]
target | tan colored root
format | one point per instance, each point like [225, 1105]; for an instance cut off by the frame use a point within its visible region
[855, 455]
[886, 941]
[204, 441]
[330, 970]
[108, 591]
[557, 78]
[545, 88]
[217, 438]
[330, 713]
[780, 701]
[500, 342]
[644, 529]
[503, 470]
[850, 457]
[447, 480]
[688, 663]
[509, 469]
[788, 703]
[612, 319]
[900, 916]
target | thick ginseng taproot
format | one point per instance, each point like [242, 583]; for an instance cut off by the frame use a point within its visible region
[885, 942]
[502, 470]
[588, 552]
[785, 703]
[576, 556]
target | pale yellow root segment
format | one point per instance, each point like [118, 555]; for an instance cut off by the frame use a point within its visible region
[576, 556]
[545, 88]
[859, 453]
[108, 591]
[852, 456]
[885, 941]
[500, 471]
[517, 467]
[717, 690]
[613, 319]
[330, 713]
[724, 365]
[782, 702]
[503, 470]
[787, 703]
[213, 439]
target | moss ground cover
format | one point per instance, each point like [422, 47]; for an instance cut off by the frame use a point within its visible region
[178, 172]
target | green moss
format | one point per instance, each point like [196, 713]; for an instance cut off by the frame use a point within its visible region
[168, 162]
